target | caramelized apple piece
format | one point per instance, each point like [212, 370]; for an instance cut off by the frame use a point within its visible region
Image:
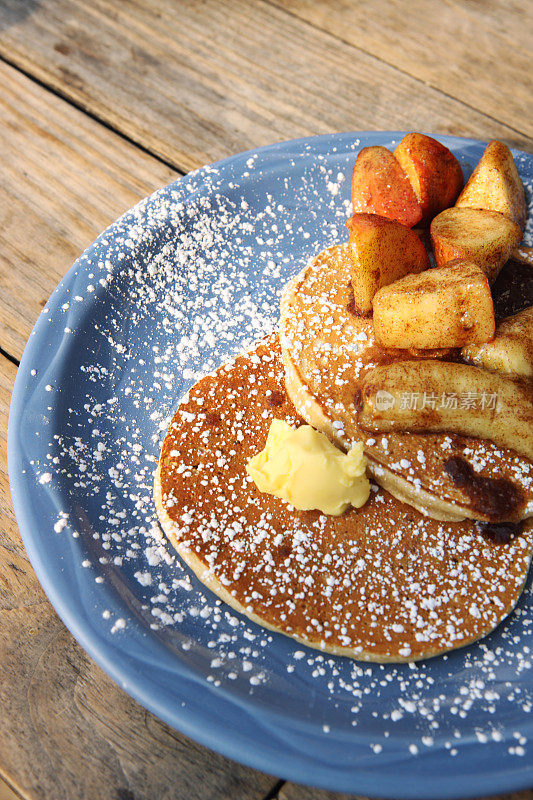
[485, 237]
[433, 395]
[434, 172]
[511, 351]
[382, 250]
[446, 307]
[495, 185]
[380, 186]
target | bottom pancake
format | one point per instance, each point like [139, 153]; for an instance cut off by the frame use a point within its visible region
[381, 583]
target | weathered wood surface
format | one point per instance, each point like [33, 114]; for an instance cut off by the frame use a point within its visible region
[64, 178]
[479, 53]
[66, 730]
[189, 82]
[194, 82]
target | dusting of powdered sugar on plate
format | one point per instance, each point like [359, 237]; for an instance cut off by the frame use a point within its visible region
[187, 279]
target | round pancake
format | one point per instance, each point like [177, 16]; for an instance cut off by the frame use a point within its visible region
[327, 349]
[381, 583]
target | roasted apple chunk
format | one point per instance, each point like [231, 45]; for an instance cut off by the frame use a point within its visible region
[445, 307]
[381, 251]
[495, 185]
[380, 186]
[485, 237]
[433, 171]
[511, 350]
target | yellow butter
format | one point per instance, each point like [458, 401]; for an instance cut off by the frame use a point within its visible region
[303, 467]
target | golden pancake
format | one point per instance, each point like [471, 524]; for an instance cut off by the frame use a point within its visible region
[381, 583]
[327, 349]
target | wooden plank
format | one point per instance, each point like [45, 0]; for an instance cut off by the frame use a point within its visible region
[292, 791]
[66, 730]
[194, 82]
[64, 178]
[479, 53]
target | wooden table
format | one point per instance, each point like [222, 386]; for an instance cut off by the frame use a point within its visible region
[101, 103]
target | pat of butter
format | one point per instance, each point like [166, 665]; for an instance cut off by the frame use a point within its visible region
[303, 467]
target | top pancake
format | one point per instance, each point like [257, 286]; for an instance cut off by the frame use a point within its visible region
[327, 349]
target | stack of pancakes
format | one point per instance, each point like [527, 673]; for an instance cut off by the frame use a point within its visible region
[439, 554]
[381, 583]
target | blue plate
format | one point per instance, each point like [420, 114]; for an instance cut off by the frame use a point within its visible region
[188, 277]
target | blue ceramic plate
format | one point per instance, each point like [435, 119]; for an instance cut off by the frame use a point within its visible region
[189, 276]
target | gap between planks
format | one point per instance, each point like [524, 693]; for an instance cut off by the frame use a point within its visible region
[7, 791]
[82, 177]
[195, 97]
[274, 791]
[13, 360]
[91, 114]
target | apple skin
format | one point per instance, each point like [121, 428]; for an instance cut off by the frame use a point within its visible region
[382, 250]
[433, 171]
[495, 185]
[380, 186]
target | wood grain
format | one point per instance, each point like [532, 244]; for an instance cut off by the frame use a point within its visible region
[64, 178]
[479, 53]
[192, 84]
[66, 730]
